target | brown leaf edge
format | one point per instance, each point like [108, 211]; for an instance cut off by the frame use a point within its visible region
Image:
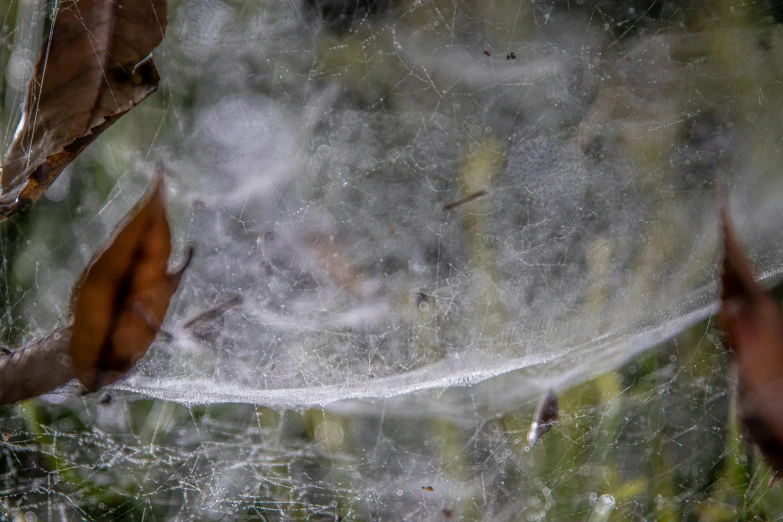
[19, 192]
[738, 286]
[753, 324]
[44, 175]
[740, 293]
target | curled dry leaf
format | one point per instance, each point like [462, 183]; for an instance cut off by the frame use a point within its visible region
[545, 416]
[95, 65]
[753, 324]
[118, 307]
[123, 296]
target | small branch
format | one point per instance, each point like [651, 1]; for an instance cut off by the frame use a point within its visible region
[464, 200]
[213, 313]
[197, 324]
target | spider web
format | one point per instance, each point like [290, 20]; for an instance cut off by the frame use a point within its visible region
[386, 345]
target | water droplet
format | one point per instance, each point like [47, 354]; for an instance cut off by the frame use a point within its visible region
[324, 151]
[604, 504]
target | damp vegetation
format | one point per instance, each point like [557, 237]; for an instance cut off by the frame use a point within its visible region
[411, 260]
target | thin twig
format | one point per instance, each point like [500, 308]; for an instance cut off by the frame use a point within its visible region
[464, 200]
[213, 313]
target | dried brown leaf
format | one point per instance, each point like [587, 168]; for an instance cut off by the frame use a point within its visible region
[95, 65]
[38, 368]
[123, 296]
[753, 324]
[118, 307]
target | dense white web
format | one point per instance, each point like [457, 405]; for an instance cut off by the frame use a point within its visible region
[385, 345]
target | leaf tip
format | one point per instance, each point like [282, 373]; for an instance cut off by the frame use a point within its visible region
[158, 176]
[737, 283]
[176, 276]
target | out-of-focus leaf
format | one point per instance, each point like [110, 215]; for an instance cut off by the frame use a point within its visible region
[122, 298]
[95, 65]
[753, 324]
